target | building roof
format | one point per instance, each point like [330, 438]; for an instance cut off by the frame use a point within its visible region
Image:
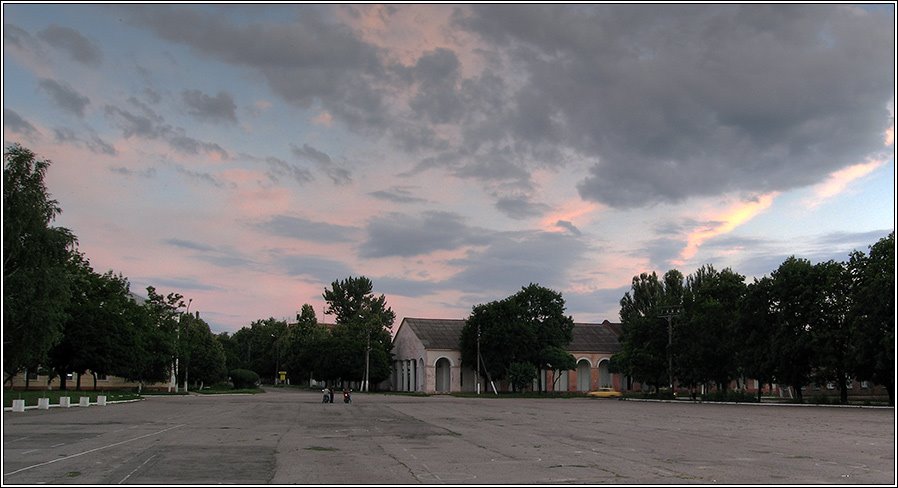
[594, 338]
[446, 334]
[437, 333]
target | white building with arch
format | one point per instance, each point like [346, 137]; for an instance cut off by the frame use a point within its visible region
[427, 358]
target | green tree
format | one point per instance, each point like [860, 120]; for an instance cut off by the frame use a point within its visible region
[793, 294]
[831, 331]
[644, 337]
[520, 375]
[542, 309]
[756, 358]
[705, 340]
[873, 313]
[96, 332]
[505, 338]
[302, 344]
[206, 359]
[35, 283]
[363, 324]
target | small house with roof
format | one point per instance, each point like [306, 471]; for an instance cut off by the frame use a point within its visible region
[427, 358]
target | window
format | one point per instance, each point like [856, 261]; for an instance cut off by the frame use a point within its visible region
[101, 377]
[32, 375]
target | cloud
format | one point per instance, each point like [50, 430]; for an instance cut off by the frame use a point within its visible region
[512, 260]
[667, 120]
[839, 180]
[148, 124]
[305, 229]
[221, 107]
[724, 221]
[405, 236]
[397, 194]
[339, 176]
[16, 123]
[520, 207]
[65, 96]
[570, 227]
[94, 143]
[80, 48]
[314, 269]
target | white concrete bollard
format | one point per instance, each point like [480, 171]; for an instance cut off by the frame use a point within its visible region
[101, 400]
[43, 403]
[65, 402]
[84, 402]
[18, 405]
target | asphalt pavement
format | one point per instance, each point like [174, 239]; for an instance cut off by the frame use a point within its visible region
[287, 436]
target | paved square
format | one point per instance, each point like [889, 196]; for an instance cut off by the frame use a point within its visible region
[288, 437]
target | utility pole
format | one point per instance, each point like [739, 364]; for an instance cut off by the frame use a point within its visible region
[669, 313]
[478, 358]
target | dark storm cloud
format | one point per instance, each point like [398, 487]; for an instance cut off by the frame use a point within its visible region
[17, 124]
[221, 107]
[402, 235]
[306, 230]
[681, 100]
[80, 48]
[658, 102]
[65, 96]
[221, 257]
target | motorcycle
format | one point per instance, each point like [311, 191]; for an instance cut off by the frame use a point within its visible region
[346, 397]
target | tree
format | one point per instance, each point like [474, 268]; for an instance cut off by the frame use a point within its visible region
[164, 314]
[831, 331]
[705, 340]
[505, 338]
[520, 375]
[96, 331]
[873, 313]
[206, 358]
[793, 292]
[302, 344]
[363, 323]
[644, 337]
[527, 327]
[543, 309]
[756, 327]
[35, 282]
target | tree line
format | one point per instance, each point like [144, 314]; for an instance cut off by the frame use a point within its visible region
[830, 322]
[62, 316]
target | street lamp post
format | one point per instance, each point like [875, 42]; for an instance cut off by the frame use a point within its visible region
[187, 339]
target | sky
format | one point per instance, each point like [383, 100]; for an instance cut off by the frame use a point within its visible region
[248, 156]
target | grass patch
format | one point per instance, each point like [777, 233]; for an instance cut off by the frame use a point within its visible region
[31, 396]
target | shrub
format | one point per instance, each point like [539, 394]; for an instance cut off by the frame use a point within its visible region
[730, 396]
[244, 378]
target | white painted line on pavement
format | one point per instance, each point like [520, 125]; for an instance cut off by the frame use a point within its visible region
[91, 450]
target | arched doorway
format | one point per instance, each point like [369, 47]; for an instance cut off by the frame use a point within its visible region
[420, 378]
[604, 374]
[562, 384]
[583, 375]
[443, 375]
